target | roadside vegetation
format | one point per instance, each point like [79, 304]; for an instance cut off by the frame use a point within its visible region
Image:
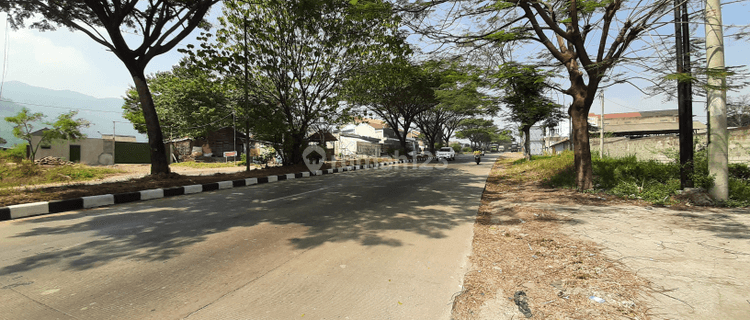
[16, 171]
[651, 181]
[205, 165]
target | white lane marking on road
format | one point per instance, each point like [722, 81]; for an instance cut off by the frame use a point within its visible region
[295, 195]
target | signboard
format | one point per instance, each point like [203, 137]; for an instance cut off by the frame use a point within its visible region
[230, 153]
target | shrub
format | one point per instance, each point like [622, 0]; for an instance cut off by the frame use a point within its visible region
[700, 175]
[739, 171]
[627, 177]
[14, 154]
[467, 150]
[456, 147]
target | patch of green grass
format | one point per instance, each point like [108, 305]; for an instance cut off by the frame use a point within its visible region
[15, 154]
[628, 177]
[204, 165]
[540, 166]
[27, 173]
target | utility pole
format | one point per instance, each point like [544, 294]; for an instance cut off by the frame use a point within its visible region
[114, 141]
[718, 159]
[601, 129]
[684, 92]
[247, 107]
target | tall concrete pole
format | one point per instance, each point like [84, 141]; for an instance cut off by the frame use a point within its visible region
[601, 131]
[718, 159]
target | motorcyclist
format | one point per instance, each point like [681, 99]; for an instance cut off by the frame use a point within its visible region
[477, 156]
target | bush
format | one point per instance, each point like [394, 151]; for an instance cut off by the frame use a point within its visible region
[456, 147]
[700, 175]
[14, 154]
[739, 171]
[627, 177]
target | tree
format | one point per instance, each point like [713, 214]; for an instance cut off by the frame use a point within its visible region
[396, 91]
[160, 24]
[64, 128]
[586, 38]
[738, 111]
[189, 102]
[300, 52]
[479, 131]
[524, 96]
[459, 98]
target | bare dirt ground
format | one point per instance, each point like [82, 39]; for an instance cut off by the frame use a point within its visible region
[587, 256]
[137, 178]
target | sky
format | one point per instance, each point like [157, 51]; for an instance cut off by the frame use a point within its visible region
[65, 60]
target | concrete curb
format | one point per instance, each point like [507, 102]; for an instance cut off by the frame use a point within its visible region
[48, 207]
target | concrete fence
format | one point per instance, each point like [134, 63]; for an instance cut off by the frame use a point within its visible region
[666, 148]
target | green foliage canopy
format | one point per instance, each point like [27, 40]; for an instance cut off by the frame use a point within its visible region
[296, 54]
[188, 101]
[64, 128]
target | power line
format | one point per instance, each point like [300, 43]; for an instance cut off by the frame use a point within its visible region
[6, 46]
[118, 112]
[624, 106]
[58, 107]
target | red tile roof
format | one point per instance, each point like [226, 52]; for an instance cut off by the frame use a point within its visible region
[377, 124]
[617, 115]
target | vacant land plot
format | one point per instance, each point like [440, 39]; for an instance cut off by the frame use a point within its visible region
[588, 256]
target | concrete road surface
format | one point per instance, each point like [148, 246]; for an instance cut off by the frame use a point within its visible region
[373, 244]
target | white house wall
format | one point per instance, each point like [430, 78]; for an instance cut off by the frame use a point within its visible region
[366, 130]
[92, 150]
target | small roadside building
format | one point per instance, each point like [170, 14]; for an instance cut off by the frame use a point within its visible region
[104, 151]
[214, 145]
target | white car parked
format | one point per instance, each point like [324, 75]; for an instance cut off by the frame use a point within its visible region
[446, 153]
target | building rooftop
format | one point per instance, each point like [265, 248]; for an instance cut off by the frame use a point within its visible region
[649, 128]
[639, 114]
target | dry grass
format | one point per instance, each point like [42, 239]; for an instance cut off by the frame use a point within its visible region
[11, 196]
[519, 248]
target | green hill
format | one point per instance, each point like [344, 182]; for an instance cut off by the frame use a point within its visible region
[100, 112]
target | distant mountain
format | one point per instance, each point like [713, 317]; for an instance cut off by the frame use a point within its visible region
[8, 109]
[100, 112]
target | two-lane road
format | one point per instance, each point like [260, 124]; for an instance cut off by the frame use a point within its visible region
[384, 243]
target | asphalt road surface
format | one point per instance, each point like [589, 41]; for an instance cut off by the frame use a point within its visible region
[373, 244]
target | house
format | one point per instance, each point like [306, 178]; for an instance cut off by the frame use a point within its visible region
[560, 146]
[214, 145]
[388, 140]
[329, 139]
[352, 145]
[95, 151]
[642, 123]
[536, 140]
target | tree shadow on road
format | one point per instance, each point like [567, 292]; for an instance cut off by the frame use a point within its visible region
[422, 202]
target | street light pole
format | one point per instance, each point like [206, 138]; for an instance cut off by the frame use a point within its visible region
[718, 158]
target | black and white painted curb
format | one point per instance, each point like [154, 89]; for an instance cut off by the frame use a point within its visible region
[47, 207]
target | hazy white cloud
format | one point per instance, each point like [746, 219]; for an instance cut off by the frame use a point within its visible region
[31, 52]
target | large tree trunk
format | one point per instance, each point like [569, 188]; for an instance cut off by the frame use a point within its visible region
[247, 145]
[581, 148]
[432, 145]
[527, 142]
[296, 145]
[159, 163]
